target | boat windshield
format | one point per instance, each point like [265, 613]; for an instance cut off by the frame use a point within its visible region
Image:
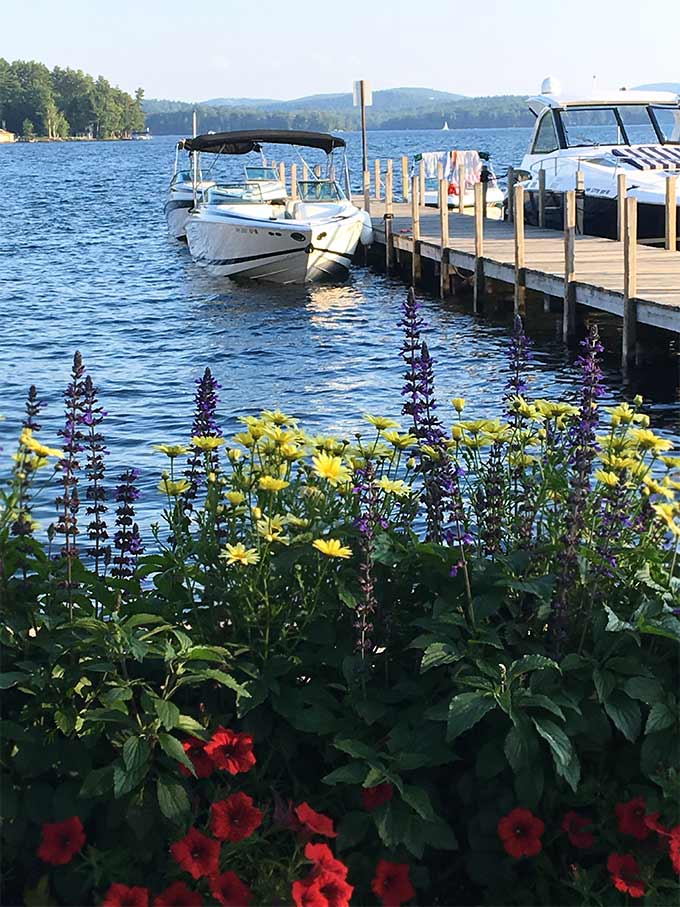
[233, 194]
[319, 191]
[624, 124]
[261, 173]
[182, 176]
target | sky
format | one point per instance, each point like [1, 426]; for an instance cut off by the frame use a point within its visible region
[189, 51]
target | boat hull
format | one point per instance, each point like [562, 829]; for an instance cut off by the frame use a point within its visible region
[279, 251]
[176, 213]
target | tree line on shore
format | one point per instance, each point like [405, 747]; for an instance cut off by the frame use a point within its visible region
[60, 103]
[503, 110]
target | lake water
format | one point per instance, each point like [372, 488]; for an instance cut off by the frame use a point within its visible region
[86, 263]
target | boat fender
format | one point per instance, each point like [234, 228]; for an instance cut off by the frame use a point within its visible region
[366, 237]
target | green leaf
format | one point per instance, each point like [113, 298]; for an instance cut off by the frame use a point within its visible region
[646, 689]
[174, 749]
[97, 783]
[11, 678]
[352, 829]
[419, 800]
[126, 780]
[465, 710]
[226, 680]
[571, 772]
[189, 725]
[539, 701]
[357, 750]
[172, 800]
[438, 653]
[392, 821]
[604, 683]
[135, 753]
[556, 739]
[614, 622]
[167, 712]
[660, 717]
[516, 749]
[138, 619]
[439, 834]
[354, 773]
[207, 653]
[625, 713]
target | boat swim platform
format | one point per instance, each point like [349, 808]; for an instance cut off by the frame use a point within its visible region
[638, 283]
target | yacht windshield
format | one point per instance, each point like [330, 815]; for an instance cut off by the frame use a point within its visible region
[624, 124]
[319, 191]
[261, 173]
[233, 194]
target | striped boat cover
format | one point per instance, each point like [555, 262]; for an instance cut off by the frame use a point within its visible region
[650, 157]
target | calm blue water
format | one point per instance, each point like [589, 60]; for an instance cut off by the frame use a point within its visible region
[85, 263]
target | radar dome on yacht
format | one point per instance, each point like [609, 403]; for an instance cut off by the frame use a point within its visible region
[551, 85]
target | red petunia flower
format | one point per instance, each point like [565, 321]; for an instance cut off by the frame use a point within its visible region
[61, 841]
[197, 854]
[334, 889]
[178, 895]
[235, 818]
[674, 847]
[324, 861]
[230, 751]
[625, 873]
[308, 894]
[229, 890]
[373, 797]
[392, 884]
[574, 826]
[122, 896]
[203, 764]
[652, 821]
[520, 831]
[631, 816]
[314, 822]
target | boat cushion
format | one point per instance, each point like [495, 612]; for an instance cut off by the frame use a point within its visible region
[650, 157]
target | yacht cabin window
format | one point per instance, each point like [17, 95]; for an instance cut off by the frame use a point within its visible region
[546, 137]
[261, 173]
[668, 121]
[625, 124]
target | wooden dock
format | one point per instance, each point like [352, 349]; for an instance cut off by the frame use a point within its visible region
[638, 283]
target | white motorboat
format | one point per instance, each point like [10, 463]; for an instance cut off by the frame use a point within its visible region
[636, 133]
[476, 169]
[237, 231]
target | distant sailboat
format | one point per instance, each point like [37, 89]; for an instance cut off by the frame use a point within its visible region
[445, 127]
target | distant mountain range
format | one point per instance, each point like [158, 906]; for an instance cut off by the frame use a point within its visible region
[389, 99]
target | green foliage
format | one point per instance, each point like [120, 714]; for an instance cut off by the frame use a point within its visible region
[63, 102]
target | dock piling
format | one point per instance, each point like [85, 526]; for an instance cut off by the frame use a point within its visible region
[478, 284]
[520, 264]
[421, 183]
[293, 181]
[389, 192]
[404, 178]
[443, 202]
[630, 283]
[415, 230]
[621, 193]
[511, 193]
[671, 232]
[569, 308]
[367, 191]
[376, 165]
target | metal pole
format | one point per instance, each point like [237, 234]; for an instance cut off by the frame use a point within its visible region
[364, 144]
[194, 160]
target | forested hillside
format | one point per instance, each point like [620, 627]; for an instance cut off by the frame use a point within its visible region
[35, 101]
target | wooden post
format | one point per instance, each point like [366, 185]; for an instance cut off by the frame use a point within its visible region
[671, 212]
[621, 205]
[293, 181]
[541, 197]
[580, 202]
[305, 173]
[443, 204]
[461, 188]
[518, 204]
[630, 282]
[282, 173]
[440, 177]
[317, 171]
[415, 229]
[367, 191]
[376, 165]
[569, 308]
[511, 193]
[478, 286]
[421, 184]
[404, 178]
[389, 191]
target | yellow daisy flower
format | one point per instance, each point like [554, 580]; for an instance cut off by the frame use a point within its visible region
[30, 443]
[330, 468]
[171, 450]
[380, 422]
[332, 548]
[239, 554]
[207, 443]
[270, 483]
[167, 486]
[245, 438]
[235, 497]
[667, 513]
[647, 440]
[400, 441]
[394, 486]
[607, 478]
[458, 404]
[277, 417]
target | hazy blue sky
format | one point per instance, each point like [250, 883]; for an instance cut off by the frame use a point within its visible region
[187, 50]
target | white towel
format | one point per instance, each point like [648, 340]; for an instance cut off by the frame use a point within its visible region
[432, 159]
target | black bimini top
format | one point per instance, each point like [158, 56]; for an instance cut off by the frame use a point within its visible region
[251, 140]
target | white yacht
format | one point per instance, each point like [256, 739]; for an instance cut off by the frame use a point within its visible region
[632, 132]
[246, 230]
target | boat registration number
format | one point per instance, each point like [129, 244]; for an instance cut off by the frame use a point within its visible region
[246, 230]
